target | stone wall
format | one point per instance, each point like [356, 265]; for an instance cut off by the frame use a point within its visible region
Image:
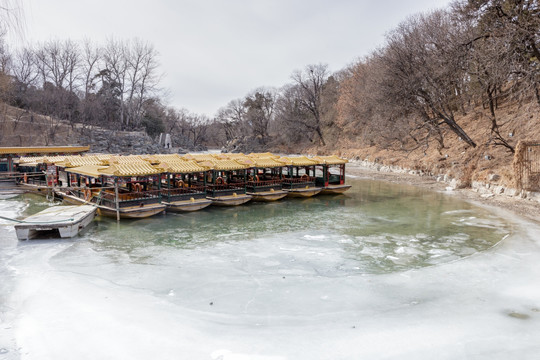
[120, 142]
[485, 189]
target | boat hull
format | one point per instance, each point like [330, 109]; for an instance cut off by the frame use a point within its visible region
[303, 192]
[335, 189]
[267, 196]
[187, 205]
[134, 212]
[32, 188]
[230, 200]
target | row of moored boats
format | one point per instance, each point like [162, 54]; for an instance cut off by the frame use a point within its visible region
[136, 186]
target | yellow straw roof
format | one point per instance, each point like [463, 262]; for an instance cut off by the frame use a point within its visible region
[266, 163]
[223, 164]
[232, 156]
[264, 155]
[75, 161]
[181, 167]
[127, 159]
[43, 149]
[330, 160]
[31, 159]
[131, 169]
[104, 156]
[88, 170]
[166, 158]
[199, 157]
[297, 161]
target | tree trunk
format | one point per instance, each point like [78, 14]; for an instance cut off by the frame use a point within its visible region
[458, 130]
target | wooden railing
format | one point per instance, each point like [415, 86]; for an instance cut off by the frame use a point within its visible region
[215, 190]
[130, 198]
[294, 183]
[264, 185]
[179, 194]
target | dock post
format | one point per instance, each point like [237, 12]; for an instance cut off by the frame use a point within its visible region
[116, 198]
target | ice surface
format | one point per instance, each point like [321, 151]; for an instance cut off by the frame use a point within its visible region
[269, 290]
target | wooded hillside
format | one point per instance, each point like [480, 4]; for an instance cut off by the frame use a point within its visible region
[451, 90]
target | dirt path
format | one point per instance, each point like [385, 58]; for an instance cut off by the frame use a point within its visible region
[525, 208]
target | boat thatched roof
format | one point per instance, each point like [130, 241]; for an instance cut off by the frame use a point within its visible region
[264, 155]
[330, 160]
[31, 160]
[181, 167]
[75, 161]
[160, 158]
[223, 164]
[267, 163]
[231, 156]
[199, 157]
[297, 161]
[127, 159]
[88, 170]
[43, 149]
[131, 169]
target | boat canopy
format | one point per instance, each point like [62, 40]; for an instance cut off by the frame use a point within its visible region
[223, 164]
[31, 160]
[264, 155]
[88, 170]
[161, 158]
[199, 157]
[127, 159]
[75, 161]
[266, 163]
[34, 160]
[181, 167]
[43, 149]
[297, 161]
[131, 169]
[104, 157]
[330, 160]
[232, 156]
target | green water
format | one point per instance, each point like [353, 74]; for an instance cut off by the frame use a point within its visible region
[375, 227]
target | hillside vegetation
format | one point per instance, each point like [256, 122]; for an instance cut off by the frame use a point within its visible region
[450, 92]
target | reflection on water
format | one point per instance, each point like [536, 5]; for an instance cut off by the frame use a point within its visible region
[375, 227]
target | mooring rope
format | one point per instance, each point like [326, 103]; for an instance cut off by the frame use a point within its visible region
[33, 222]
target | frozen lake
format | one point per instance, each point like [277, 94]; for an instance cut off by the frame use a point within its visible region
[384, 272]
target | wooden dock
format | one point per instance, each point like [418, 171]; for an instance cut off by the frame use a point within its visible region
[61, 221]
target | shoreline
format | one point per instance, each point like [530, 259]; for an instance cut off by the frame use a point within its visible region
[522, 207]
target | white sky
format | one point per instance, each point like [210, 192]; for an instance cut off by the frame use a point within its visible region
[215, 51]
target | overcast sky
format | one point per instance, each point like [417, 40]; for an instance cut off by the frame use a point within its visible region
[215, 51]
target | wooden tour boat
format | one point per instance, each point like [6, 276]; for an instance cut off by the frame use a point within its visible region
[128, 190]
[226, 182]
[137, 186]
[264, 179]
[332, 176]
[183, 185]
[299, 177]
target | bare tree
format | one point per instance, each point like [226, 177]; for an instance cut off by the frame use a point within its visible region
[310, 84]
[517, 25]
[142, 60]
[11, 17]
[260, 112]
[24, 66]
[91, 63]
[422, 72]
[232, 118]
[116, 68]
[131, 68]
[293, 122]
